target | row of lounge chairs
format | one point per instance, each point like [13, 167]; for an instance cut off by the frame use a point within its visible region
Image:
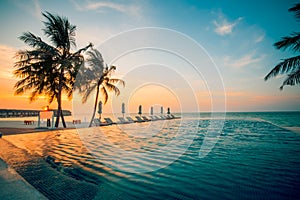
[129, 120]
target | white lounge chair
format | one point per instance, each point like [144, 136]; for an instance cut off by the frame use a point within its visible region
[123, 121]
[146, 119]
[130, 119]
[162, 117]
[109, 121]
[174, 117]
[153, 118]
[157, 118]
[97, 122]
[139, 119]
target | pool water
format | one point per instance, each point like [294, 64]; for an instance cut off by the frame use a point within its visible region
[250, 158]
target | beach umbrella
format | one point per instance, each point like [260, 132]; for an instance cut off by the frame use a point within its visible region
[151, 110]
[123, 109]
[100, 109]
[140, 109]
[168, 111]
[161, 110]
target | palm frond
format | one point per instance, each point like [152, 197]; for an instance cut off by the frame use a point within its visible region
[112, 88]
[105, 94]
[116, 81]
[87, 92]
[59, 31]
[296, 9]
[292, 42]
[37, 42]
[292, 79]
[95, 61]
[286, 66]
[33, 96]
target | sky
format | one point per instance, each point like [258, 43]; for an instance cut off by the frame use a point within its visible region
[188, 55]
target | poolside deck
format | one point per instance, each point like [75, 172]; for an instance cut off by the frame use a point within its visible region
[47, 181]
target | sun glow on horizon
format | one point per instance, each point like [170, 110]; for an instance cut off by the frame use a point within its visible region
[156, 96]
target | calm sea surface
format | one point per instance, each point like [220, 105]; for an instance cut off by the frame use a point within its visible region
[247, 156]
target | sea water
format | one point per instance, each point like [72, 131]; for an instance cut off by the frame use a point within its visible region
[251, 156]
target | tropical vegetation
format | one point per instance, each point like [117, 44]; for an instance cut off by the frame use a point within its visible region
[49, 68]
[289, 66]
[96, 75]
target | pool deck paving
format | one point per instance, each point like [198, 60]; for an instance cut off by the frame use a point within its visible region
[28, 176]
[13, 186]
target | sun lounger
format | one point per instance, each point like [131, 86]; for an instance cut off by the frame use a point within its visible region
[145, 119]
[162, 117]
[174, 117]
[109, 121]
[153, 118]
[168, 117]
[97, 122]
[157, 118]
[123, 121]
[139, 119]
[130, 119]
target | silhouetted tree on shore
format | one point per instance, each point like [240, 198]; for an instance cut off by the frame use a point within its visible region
[96, 76]
[49, 68]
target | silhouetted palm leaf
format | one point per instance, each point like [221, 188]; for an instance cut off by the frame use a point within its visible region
[286, 66]
[96, 75]
[290, 66]
[292, 42]
[292, 79]
[296, 9]
[49, 70]
[116, 81]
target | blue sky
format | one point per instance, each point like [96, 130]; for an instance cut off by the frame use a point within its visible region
[237, 35]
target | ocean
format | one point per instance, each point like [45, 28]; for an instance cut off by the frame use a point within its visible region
[200, 156]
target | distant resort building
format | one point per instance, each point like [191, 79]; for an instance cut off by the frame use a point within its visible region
[8, 113]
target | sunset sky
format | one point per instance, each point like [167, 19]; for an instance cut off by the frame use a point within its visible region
[236, 38]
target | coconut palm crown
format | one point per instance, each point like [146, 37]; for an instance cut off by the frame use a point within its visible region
[49, 69]
[96, 76]
[289, 66]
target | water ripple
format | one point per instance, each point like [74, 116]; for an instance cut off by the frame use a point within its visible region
[251, 159]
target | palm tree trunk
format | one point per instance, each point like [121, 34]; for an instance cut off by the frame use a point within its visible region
[63, 119]
[57, 117]
[95, 105]
[59, 107]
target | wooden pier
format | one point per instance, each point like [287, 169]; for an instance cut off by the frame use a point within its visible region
[9, 113]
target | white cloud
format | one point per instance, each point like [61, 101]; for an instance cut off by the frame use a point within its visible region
[223, 27]
[128, 9]
[260, 38]
[242, 61]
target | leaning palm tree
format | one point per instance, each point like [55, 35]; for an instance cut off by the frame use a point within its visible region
[289, 66]
[49, 69]
[97, 75]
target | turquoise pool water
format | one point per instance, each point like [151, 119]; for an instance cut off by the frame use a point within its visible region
[253, 157]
